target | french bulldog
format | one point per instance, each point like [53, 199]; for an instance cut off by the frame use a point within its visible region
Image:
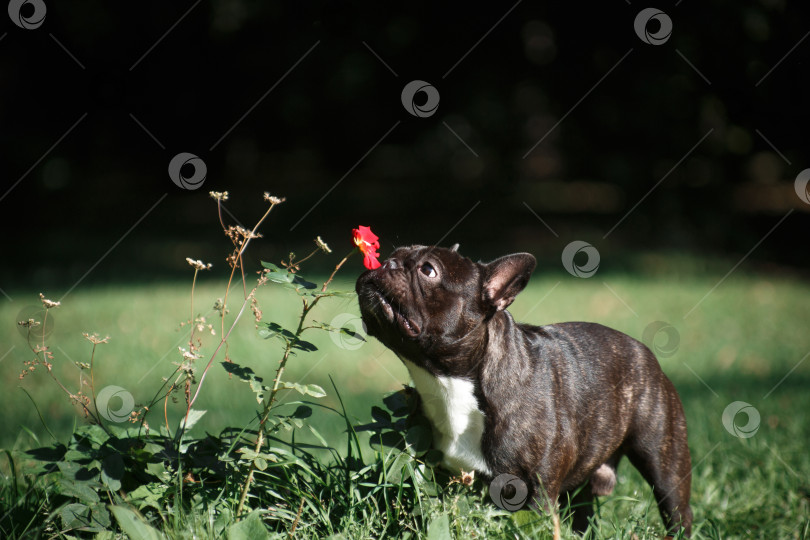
[557, 406]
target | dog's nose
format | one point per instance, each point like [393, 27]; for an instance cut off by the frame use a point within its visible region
[391, 264]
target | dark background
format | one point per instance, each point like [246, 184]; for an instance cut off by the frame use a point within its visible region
[337, 118]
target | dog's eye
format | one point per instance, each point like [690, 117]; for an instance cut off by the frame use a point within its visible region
[428, 270]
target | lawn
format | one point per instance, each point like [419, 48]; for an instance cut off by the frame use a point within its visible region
[744, 341]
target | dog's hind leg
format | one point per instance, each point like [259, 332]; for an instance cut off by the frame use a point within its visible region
[662, 458]
[581, 500]
[581, 508]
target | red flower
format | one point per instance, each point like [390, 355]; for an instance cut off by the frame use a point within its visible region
[368, 243]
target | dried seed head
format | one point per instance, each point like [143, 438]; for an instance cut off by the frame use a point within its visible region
[94, 339]
[321, 244]
[223, 196]
[257, 311]
[273, 199]
[197, 264]
[48, 303]
[188, 356]
[238, 234]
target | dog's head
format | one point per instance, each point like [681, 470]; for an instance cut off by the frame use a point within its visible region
[423, 302]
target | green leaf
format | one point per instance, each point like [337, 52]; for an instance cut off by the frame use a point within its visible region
[288, 279]
[523, 518]
[252, 455]
[133, 524]
[269, 330]
[351, 333]
[287, 457]
[439, 528]
[433, 457]
[79, 490]
[306, 389]
[75, 515]
[148, 495]
[112, 471]
[48, 453]
[305, 346]
[345, 330]
[431, 488]
[69, 468]
[156, 469]
[276, 274]
[344, 294]
[250, 528]
[193, 417]
[258, 389]
[244, 373]
[104, 535]
[223, 519]
[402, 402]
[380, 415]
[271, 266]
[247, 375]
[101, 517]
[94, 433]
[318, 436]
[298, 281]
[394, 472]
[390, 439]
[419, 437]
[302, 411]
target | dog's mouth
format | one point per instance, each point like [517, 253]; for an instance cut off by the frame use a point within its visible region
[394, 314]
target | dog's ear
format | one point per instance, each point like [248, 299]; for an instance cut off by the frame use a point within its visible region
[504, 278]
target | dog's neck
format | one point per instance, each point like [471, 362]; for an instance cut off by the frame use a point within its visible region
[461, 357]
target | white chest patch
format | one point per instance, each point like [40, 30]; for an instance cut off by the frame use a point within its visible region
[458, 423]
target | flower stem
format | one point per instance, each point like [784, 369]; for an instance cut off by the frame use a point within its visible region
[268, 403]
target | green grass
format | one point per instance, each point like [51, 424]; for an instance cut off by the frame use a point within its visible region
[746, 341]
